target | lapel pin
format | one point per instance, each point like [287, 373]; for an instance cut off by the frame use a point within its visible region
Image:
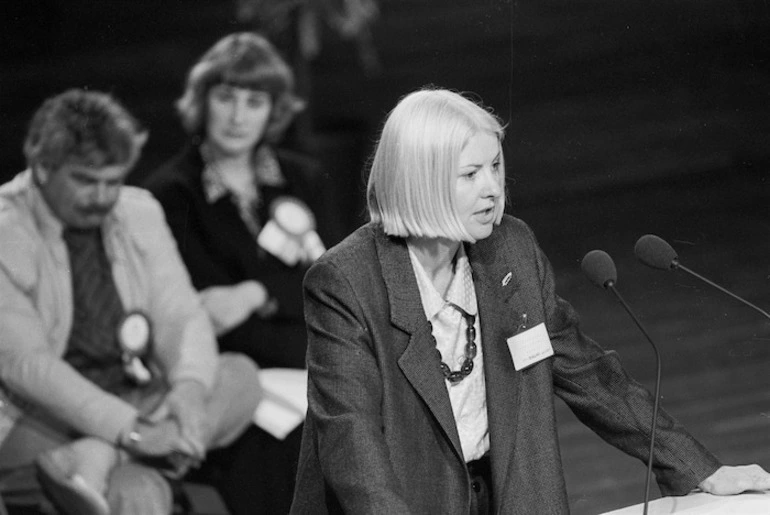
[507, 278]
[523, 324]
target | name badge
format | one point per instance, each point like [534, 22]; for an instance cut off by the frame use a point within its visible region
[530, 346]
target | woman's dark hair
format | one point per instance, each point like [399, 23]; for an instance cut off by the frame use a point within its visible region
[246, 60]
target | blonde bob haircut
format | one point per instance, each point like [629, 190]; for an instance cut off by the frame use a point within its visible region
[411, 189]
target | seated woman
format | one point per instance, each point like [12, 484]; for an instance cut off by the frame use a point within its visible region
[221, 192]
[239, 211]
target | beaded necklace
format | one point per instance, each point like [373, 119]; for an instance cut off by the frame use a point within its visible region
[466, 368]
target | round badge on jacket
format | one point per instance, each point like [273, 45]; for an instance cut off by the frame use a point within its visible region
[134, 336]
[292, 215]
[290, 233]
[134, 333]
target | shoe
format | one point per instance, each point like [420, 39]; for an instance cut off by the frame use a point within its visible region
[68, 492]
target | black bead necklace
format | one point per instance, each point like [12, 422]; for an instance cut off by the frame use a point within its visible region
[466, 368]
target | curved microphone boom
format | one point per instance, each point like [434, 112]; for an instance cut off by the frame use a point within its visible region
[598, 266]
[655, 252]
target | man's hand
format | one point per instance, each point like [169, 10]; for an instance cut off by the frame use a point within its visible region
[156, 439]
[734, 480]
[160, 444]
[229, 306]
[186, 404]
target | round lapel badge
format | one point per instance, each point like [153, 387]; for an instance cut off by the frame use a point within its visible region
[134, 333]
[290, 233]
[134, 336]
[292, 215]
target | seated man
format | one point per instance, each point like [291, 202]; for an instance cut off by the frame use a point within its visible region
[107, 359]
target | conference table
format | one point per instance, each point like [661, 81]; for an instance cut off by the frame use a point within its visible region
[703, 504]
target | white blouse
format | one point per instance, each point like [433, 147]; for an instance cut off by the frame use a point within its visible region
[468, 397]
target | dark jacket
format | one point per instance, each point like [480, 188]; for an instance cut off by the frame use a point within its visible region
[219, 250]
[380, 436]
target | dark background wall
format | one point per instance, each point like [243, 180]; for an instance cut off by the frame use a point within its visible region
[597, 93]
[625, 117]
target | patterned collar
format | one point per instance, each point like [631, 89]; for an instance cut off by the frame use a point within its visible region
[267, 172]
[460, 293]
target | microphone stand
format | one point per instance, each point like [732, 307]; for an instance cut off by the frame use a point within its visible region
[610, 285]
[675, 264]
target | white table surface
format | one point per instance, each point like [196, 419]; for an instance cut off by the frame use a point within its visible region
[703, 504]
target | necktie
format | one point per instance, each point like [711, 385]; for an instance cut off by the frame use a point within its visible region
[93, 348]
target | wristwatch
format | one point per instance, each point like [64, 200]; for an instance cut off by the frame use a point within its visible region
[131, 440]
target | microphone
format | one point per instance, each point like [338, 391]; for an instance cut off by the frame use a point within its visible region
[598, 266]
[655, 252]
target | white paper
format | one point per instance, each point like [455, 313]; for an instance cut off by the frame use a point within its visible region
[284, 405]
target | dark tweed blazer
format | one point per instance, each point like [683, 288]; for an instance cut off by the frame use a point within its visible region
[380, 436]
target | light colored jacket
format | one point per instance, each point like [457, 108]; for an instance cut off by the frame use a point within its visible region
[36, 307]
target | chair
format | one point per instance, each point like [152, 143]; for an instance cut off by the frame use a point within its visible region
[202, 500]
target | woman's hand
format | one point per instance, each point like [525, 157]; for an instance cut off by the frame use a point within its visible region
[729, 480]
[255, 292]
[229, 306]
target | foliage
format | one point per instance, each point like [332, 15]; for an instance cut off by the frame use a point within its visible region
[303, 21]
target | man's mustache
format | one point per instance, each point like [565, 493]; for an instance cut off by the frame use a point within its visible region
[96, 210]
